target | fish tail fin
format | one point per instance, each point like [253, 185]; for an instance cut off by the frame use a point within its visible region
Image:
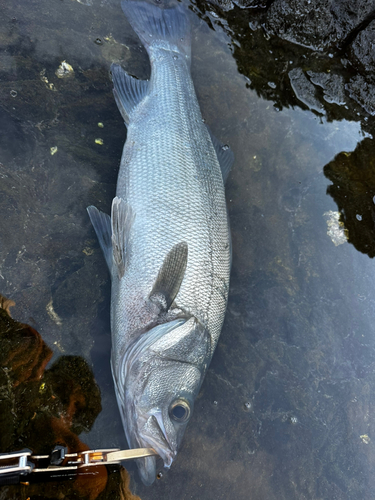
[154, 25]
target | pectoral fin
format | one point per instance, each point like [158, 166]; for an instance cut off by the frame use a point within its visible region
[170, 276]
[122, 219]
[102, 225]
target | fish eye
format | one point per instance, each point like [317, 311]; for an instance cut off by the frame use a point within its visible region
[180, 411]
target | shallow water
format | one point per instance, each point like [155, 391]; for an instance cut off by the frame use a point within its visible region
[286, 409]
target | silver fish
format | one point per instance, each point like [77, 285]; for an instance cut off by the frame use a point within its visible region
[167, 242]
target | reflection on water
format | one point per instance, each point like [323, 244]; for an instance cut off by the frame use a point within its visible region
[353, 188]
[41, 407]
[287, 409]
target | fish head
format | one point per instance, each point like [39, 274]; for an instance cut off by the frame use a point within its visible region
[162, 375]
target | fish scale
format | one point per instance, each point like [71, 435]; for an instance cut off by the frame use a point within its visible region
[170, 258]
[174, 198]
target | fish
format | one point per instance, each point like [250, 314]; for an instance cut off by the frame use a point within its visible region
[167, 241]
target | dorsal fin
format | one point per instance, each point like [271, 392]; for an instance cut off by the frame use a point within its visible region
[122, 219]
[170, 276]
[224, 155]
[128, 91]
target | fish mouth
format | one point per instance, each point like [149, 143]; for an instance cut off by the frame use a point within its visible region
[154, 435]
[147, 465]
[159, 442]
[147, 470]
[151, 434]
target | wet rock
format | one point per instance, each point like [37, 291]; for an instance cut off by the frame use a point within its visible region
[361, 88]
[317, 24]
[363, 48]
[305, 90]
[253, 4]
[224, 4]
[349, 16]
[304, 22]
[331, 41]
[363, 93]
[227, 5]
[333, 86]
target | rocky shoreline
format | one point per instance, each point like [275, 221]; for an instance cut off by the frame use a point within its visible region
[336, 36]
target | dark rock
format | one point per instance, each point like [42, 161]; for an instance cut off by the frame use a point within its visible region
[304, 90]
[318, 24]
[329, 41]
[252, 4]
[363, 49]
[363, 93]
[308, 23]
[332, 85]
[349, 16]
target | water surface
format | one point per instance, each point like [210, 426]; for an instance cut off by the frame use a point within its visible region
[287, 408]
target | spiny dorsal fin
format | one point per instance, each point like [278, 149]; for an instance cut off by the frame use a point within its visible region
[170, 276]
[102, 225]
[128, 91]
[122, 219]
[224, 155]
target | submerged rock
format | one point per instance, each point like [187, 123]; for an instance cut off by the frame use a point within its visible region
[304, 90]
[333, 86]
